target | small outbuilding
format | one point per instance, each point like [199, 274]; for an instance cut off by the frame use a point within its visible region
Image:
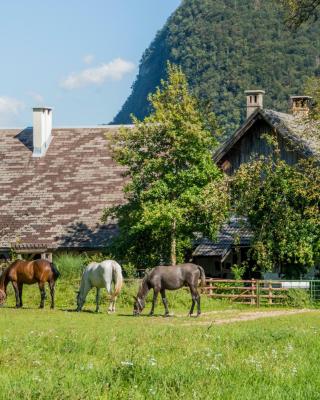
[297, 137]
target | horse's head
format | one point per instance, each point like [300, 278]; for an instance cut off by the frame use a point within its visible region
[138, 305]
[3, 297]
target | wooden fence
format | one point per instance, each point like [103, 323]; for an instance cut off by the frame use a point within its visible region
[254, 292]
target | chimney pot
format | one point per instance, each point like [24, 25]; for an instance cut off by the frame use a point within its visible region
[42, 127]
[254, 100]
[300, 105]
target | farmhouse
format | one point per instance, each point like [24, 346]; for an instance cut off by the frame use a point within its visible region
[297, 137]
[54, 184]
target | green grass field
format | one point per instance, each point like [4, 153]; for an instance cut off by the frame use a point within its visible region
[62, 354]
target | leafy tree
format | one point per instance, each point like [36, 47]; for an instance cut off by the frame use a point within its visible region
[174, 188]
[312, 88]
[282, 206]
[301, 11]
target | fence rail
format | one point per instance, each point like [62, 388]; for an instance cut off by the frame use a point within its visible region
[257, 292]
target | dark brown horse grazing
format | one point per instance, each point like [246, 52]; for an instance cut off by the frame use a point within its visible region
[29, 272]
[170, 277]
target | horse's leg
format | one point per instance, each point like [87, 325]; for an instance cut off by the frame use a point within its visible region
[42, 293]
[194, 299]
[97, 299]
[198, 303]
[112, 306]
[154, 300]
[52, 287]
[20, 286]
[113, 298]
[165, 302]
[16, 292]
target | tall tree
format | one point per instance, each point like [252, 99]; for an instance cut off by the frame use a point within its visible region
[312, 88]
[174, 188]
[282, 206]
[301, 11]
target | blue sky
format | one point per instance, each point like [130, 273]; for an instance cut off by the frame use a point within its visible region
[78, 56]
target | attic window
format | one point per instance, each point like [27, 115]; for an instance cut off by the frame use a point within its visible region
[255, 99]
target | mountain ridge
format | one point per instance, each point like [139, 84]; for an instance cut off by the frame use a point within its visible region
[225, 47]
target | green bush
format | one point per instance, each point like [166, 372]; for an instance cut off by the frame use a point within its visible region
[70, 265]
[129, 270]
[298, 298]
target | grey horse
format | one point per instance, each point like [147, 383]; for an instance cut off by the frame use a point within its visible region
[172, 278]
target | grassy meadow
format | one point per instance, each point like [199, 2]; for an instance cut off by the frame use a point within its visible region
[62, 354]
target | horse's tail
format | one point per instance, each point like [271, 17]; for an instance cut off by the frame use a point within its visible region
[202, 276]
[119, 280]
[55, 271]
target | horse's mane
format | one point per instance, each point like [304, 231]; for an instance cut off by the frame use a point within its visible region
[144, 283]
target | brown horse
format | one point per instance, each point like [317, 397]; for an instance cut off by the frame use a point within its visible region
[29, 272]
[171, 278]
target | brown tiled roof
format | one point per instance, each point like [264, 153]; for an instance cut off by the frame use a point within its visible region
[56, 201]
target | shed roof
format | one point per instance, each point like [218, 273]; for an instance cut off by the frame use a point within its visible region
[232, 232]
[56, 201]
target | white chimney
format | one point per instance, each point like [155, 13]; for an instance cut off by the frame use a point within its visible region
[42, 127]
[254, 100]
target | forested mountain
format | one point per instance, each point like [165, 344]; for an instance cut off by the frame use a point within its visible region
[224, 48]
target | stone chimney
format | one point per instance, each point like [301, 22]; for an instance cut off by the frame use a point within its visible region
[254, 100]
[42, 127]
[300, 105]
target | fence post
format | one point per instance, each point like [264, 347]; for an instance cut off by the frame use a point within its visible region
[253, 302]
[258, 292]
[312, 291]
[270, 292]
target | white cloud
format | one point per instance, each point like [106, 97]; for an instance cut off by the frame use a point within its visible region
[88, 59]
[36, 97]
[114, 70]
[9, 109]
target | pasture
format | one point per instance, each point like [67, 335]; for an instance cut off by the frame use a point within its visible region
[61, 354]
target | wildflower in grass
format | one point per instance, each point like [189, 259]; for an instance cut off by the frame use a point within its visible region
[90, 366]
[289, 347]
[36, 362]
[127, 363]
[274, 353]
[255, 362]
[152, 361]
[152, 391]
[294, 370]
[213, 367]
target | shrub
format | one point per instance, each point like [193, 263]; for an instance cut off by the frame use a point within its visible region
[70, 265]
[129, 270]
[298, 298]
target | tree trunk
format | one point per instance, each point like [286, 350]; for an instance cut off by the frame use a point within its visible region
[173, 244]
